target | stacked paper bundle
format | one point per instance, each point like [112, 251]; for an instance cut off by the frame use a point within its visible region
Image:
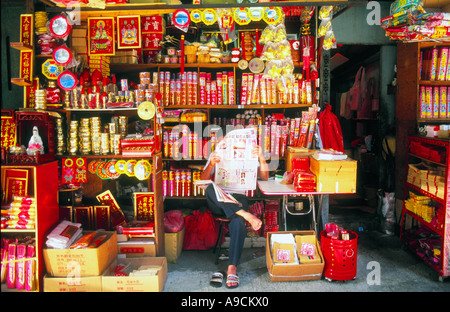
[63, 235]
[304, 181]
[283, 248]
[22, 214]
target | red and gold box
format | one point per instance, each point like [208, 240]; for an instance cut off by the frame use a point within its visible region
[138, 147]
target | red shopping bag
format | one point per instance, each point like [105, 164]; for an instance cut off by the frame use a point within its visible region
[330, 130]
[200, 231]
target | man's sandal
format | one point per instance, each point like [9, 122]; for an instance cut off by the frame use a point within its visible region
[232, 278]
[216, 279]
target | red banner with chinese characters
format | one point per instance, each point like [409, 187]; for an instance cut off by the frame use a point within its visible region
[29, 93]
[26, 65]
[9, 129]
[26, 29]
[144, 206]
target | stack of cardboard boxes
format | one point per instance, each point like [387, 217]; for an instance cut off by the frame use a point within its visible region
[94, 270]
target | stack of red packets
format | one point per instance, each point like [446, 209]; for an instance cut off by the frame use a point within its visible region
[18, 274]
[139, 229]
[21, 215]
[304, 181]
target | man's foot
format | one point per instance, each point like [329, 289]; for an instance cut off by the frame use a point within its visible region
[232, 278]
[254, 221]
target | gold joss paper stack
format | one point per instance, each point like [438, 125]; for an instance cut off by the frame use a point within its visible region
[60, 145]
[95, 134]
[84, 135]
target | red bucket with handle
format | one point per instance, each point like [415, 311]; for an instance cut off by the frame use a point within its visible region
[340, 256]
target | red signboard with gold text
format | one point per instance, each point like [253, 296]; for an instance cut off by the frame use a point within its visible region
[144, 206]
[9, 129]
[26, 65]
[26, 29]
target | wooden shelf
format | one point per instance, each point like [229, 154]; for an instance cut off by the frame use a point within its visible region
[21, 82]
[21, 46]
[436, 83]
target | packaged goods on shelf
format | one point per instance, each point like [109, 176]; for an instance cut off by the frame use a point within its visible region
[133, 146]
[409, 21]
[125, 57]
[18, 263]
[179, 182]
[21, 213]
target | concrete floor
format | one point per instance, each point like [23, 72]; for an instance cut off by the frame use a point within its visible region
[400, 270]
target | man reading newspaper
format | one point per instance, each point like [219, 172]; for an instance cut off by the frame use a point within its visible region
[235, 165]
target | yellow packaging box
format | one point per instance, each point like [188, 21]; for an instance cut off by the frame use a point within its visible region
[81, 262]
[73, 284]
[173, 245]
[334, 176]
[143, 283]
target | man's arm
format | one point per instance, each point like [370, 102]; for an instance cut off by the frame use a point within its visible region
[263, 169]
[207, 172]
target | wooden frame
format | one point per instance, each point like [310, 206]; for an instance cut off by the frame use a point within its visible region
[129, 32]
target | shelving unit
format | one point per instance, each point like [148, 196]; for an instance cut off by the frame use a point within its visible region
[435, 216]
[407, 102]
[43, 185]
[409, 118]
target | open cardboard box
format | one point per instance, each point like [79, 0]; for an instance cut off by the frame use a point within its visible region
[111, 283]
[81, 262]
[293, 272]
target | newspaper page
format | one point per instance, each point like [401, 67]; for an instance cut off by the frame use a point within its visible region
[238, 168]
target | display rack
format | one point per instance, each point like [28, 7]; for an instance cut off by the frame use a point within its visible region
[43, 186]
[434, 155]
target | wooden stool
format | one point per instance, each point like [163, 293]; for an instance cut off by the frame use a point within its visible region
[222, 221]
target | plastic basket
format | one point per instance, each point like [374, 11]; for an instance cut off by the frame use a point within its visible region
[340, 257]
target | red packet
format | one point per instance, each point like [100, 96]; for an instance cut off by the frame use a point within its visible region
[30, 281]
[11, 267]
[20, 266]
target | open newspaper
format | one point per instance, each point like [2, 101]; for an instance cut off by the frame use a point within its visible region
[238, 168]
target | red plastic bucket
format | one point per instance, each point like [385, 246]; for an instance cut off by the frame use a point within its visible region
[340, 257]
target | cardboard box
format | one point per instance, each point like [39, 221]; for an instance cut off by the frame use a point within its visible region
[72, 284]
[293, 272]
[173, 243]
[111, 283]
[84, 262]
[294, 153]
[334, 176]
[137, 247]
